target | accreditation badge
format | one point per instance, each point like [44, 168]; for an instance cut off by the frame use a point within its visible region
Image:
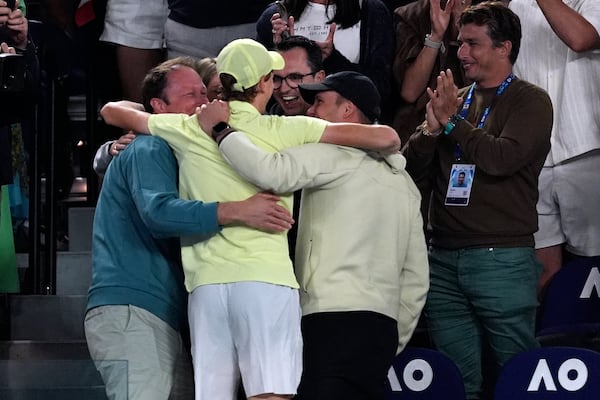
[459, 184]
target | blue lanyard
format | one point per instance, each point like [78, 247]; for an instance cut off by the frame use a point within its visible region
[465, 108]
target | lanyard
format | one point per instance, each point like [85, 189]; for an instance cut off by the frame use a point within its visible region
[465, 108]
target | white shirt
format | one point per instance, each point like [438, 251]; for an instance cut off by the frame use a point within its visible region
[571, 79]
[313, 25]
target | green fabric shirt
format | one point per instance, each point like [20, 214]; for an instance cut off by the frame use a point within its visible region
[237, 253]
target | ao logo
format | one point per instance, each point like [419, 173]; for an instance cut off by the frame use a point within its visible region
[572, 376]
[419, 373]
[417, 376]
[592, 282]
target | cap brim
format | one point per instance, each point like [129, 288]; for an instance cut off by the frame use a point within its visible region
[277, 61]
[308, 91]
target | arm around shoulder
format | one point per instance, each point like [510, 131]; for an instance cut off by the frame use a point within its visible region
[282, 172]
[126, 114]
[380, 138]
[152, 177]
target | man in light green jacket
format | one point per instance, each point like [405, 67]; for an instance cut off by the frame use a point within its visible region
[361, 257]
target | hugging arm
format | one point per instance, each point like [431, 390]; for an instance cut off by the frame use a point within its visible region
[165, 214]
[292, 169]
[259, 211]
[379, 138]
[126, 114]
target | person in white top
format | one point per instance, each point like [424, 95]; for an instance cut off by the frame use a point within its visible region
[354, 35]
[560, 52]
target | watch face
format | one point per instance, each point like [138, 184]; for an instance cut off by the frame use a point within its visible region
[220, 126]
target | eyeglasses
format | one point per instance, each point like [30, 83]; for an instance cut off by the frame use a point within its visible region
[293, 80]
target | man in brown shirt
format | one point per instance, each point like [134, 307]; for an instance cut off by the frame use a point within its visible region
[483, 269]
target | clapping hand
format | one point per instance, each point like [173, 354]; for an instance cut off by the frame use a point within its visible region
[443, 101]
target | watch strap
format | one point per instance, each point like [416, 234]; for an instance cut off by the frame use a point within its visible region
[434, 45]
[451, 124]
[218, 128]
[218, 136]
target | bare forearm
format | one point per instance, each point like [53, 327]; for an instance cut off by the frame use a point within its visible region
[260, 211]
[417, 75]
[380, 138]
[228, 213]
[570, 26]
[125, 114]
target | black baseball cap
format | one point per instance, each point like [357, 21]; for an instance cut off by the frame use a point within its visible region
[351, 85]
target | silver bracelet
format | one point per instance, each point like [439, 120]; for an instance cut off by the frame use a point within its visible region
[434, 45]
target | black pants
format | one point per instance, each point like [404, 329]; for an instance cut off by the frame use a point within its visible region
[346, 355]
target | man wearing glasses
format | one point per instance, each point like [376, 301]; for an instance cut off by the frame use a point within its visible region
[303, 64]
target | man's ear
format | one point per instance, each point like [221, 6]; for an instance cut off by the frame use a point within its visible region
[263, 82]
[506, 48]
[319, 75]
[158, 105]
[348, 109]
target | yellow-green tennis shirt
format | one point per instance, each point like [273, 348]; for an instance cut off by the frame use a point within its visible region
[237, 253]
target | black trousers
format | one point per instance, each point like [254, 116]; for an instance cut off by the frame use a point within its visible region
[346, 355]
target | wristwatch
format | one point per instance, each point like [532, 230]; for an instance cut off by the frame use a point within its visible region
[434, 45]
[423, 129]
[220, 131]
[451, 124]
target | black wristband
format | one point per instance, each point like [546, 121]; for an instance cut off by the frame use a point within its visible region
[223, 134]
[218, 128]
